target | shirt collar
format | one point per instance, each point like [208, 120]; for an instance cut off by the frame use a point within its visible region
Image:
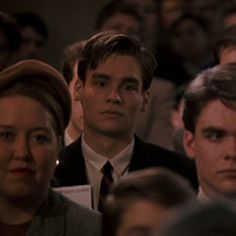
[119, 162]
[202, 197]
[68, 140]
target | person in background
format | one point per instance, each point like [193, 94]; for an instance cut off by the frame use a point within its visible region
[169, 11]
[34, 34]
[69, 68]
[148, 10]
[209, 119]
[115, 74]
[177, 121]
[216, 219]
[226, 46]
[10, 40]
[186, 31]
[35, 106]
[144, 201]
[229, 16]
[121, 17]
[211, 11]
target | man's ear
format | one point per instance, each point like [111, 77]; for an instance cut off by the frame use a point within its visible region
[146, 96]
[78, 90]
[189, 144]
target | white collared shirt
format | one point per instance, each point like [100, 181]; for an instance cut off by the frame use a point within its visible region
[94, 163]
[202, 198]
[67, 139]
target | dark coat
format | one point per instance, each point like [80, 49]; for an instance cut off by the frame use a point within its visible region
[72, 171]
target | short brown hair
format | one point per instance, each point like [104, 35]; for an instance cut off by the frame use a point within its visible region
[105, 44]
[212, 84]
[156, 184]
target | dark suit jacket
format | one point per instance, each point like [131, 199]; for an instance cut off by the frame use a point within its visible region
[71, 170]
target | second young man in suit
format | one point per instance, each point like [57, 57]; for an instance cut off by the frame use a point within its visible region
[116, 74]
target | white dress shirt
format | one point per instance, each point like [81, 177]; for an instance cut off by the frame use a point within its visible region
[94, 163]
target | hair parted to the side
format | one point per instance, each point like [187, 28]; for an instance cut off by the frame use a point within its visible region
[212, 84]
[102, 45]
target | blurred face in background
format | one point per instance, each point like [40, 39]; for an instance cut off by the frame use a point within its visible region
[123, 23]
[190, 40]
[170, 10]
[32, 43]
[148, 10]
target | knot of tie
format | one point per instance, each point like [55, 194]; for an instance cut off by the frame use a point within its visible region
[107, 171]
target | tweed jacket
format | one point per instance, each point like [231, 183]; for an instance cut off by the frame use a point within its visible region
[72, 170]
[61, 217]
[154, 125]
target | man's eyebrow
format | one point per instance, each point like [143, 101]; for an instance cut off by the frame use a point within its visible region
[101, 75]
[125, 79]
[131, 80]
[213, 129]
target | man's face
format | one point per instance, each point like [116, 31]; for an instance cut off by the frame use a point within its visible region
[123, 23]
[170, 11]
[148, 10]
[228, 55]
[213, 146]
[112, 96]
[142, 218]
[32, 43]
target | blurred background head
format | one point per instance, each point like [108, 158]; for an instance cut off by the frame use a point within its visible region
[121, 17]
[34, 34]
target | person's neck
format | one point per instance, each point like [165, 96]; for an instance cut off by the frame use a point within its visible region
[72, 131]
[215, 196]
[17, 211]
[107, 145]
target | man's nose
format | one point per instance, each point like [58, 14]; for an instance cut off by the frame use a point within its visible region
[114, 95]
[231, 148]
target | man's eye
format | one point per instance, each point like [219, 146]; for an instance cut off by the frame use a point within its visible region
[7, 136]
[215, 135]
[130, 87]
[101, 83]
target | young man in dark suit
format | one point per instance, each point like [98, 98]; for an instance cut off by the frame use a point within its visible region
[115, 73]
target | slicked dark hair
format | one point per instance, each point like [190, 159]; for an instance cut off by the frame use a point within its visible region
[102, 45]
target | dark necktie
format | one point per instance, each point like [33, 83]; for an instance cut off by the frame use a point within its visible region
[106, 183]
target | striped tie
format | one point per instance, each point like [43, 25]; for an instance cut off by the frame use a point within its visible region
[106, 183]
